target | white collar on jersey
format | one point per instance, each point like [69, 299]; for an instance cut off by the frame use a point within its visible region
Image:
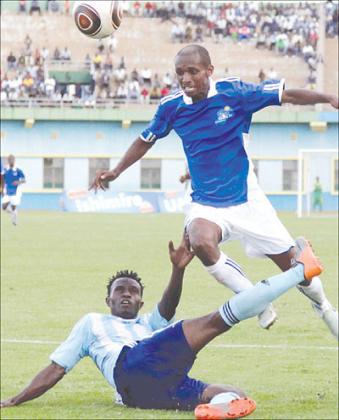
[211, 92]
[13, 169]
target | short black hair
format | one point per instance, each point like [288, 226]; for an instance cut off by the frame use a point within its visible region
[124, 274]
[198, 49]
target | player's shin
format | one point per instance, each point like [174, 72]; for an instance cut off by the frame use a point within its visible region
[229, 273]
[253, 301]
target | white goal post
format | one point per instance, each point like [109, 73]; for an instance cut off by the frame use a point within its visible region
[313, 164]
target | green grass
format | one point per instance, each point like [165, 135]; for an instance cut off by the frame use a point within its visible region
[54, 270]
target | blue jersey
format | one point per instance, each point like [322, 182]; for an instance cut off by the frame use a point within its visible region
[211, 131]
[11, 175]
[102, 337]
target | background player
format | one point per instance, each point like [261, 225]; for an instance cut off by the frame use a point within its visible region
[210, 117]
[150, 371]
[11, 178]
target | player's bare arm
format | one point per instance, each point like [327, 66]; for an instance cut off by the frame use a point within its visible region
[44, 381]
[19, 182]
[180, 258]
[136, 151]
[308, 97]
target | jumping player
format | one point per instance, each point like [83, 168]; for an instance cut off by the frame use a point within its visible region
[12, 177]
[147, 358]
[210, 117]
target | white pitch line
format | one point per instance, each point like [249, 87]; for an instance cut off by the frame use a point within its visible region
[272, 346]
[226, 346]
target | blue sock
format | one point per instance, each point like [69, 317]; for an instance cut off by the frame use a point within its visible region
[253, 301]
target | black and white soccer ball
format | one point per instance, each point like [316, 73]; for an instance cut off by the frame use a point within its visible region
[97, 19]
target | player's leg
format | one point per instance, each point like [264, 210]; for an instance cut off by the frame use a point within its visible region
[205, 232]
[14, 215]
[6, 204]
[313, 290]
[229, 402]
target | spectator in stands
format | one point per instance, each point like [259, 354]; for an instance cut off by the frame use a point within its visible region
[135, 75]
[156, 81]
[188, 33]
[52, 6]
[133, 90]
[155, 94]
[67, 7]
[87, 61]
[44, 54]
[146, 76]
[272, 74]
[11, 61]
[122, 91]
[56, 54]
[122, 64]
[177, 33]
[144, 95]
[112, 43]
[198, 34]
[35, 7]
[22, 6]
[108, 63]
[28, 83]
[261, 75]
[97, 60]
[164, 91]
[37, 57]
[28, 42]
[65, 54]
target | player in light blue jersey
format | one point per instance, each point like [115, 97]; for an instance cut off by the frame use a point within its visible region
[11, 178]
[210, 117]
[147, 358]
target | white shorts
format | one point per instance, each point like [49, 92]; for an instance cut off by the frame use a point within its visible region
[255, 223]
[15, 200]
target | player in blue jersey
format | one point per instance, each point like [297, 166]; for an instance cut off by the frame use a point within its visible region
[11, 178]
[210, 117]
[147, 358]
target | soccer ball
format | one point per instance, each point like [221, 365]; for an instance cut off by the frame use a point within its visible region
[97, 19]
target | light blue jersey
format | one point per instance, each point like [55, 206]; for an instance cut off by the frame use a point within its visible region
[211, 131]
[101, 337]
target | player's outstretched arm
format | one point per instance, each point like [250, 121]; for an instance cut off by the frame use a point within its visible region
[180, 258]
[133, 154]
[44, 381]
[308, 97]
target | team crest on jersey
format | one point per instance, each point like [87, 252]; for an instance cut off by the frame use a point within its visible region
[223, 115]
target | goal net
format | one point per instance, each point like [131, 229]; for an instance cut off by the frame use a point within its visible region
[317, 182]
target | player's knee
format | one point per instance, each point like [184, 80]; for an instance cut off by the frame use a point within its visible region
[202, 244]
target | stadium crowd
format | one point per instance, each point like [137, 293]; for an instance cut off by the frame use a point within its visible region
[27, 77]
[289, 29]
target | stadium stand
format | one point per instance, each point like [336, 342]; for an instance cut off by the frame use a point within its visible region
[71, 68]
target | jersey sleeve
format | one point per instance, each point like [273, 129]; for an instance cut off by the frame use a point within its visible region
[159, 126]
[21, 174]
[75, 347]
[156, 321]
[258, 96]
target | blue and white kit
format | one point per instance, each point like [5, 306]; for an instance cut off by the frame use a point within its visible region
[12, 192]
[224, 188]
[131, 352]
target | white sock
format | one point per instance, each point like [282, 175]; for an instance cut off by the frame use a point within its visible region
[224, 397]
[315, 293]
[229, 273]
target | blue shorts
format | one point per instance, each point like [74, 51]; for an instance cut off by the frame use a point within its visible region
[153, 373]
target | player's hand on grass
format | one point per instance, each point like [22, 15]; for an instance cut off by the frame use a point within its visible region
[7, 403]
[102, 178]
[181, 256]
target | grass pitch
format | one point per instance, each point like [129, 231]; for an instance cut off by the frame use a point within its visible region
[54, 270]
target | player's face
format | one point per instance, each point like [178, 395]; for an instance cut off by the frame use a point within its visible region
[125, 299]
[11, 161]
[193, 76]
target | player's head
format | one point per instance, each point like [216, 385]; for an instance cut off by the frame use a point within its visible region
[11, 160]
[124, 294]
[193, 68]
